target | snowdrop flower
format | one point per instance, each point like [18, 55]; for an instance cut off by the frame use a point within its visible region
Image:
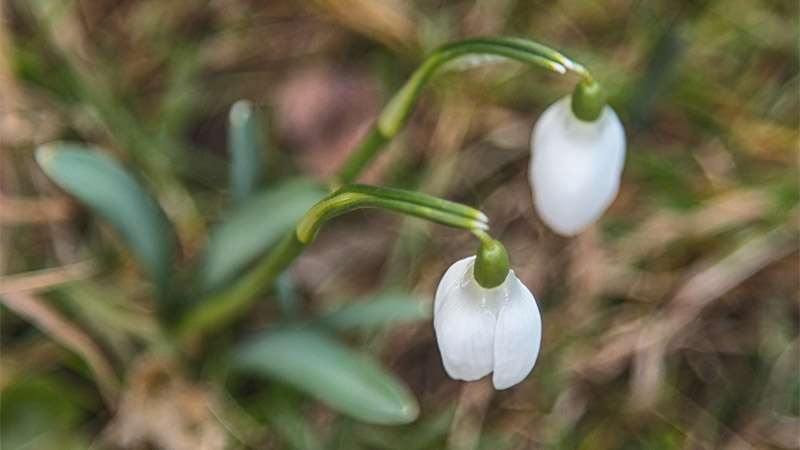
[482, 330]
[578, 151]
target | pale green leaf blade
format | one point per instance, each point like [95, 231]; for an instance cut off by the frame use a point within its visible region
[246, 146]
[378, 311]
[112, 192]
[314, 363]
[254, 228]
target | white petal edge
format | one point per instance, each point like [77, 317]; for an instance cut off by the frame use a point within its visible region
[452, 279]
[517, 337]
[463, 324]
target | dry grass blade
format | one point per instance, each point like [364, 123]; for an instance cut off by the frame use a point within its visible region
[701, 415]
[648, 341]
[385, 21]
[731, 209]
[20, 210]
[696, 294]
[236, 421]
[48, 278]
[161, 408]
[741, 264]
[52, 323]
[473, 401]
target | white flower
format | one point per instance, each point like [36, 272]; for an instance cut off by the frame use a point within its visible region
[481, 330]
[576, 166]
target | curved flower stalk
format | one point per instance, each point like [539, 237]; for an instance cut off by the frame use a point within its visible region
[578, 152]
[483, 330]
[224, 307]
[220, 308]
[451, 56]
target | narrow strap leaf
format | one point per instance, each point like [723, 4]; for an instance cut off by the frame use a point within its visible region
[314, 363]
[112, 192]
[246, 147]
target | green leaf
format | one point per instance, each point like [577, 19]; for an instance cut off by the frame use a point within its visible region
[113, 193]
[245, 144]
[254, 228]
[284, 410]
[375, 312]
[314, 363]
[39, 411]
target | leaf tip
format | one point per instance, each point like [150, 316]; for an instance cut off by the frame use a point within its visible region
[558, 67]
[45, 153]
[240, 111]
[478, 225]
[410, 412]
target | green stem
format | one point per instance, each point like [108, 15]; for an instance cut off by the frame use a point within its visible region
[373, 142]
[219, 310]
[351, 197]
[398, 109]
[417, 198]
[484, 237]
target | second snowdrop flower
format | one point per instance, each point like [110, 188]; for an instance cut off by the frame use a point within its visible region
[480, 329]
[578, 152]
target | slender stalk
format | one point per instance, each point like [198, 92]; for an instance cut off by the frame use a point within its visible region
[415, 204]
[536, 47]
[351, 168]
[307, 229]
[417, 198]
[484, 237]
[396, 112]
[218, 311]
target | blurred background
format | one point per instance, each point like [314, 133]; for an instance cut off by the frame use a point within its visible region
[670, 323]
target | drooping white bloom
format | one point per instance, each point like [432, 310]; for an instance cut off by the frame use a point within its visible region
[481, 330]
[575, 166]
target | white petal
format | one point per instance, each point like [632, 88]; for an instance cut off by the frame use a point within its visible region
[452, 280]
[517, 337]
[464, 324]
[575, 167]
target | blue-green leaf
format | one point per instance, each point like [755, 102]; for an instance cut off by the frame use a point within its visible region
[245, 145]
[254, 228]
[375, 312]
[314, 363]
[113, 193]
